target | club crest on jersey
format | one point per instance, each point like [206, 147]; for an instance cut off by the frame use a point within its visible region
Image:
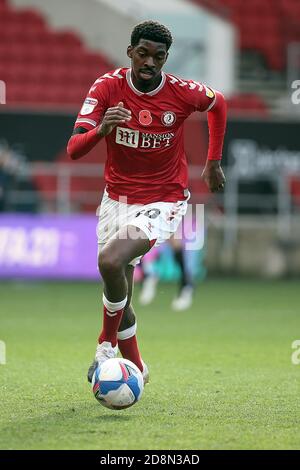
[88, 106]
[145, 117]
[168, 118]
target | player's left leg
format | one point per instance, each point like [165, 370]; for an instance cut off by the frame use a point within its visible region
[127, 340]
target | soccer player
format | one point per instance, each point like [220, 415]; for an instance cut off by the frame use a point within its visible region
[140, 112]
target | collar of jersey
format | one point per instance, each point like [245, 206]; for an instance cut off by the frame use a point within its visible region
[151, 93]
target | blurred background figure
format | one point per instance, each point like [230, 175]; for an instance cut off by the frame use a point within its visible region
[149, 277]
[187, 267]
[184, 298]
[7, 174]
[14, 180]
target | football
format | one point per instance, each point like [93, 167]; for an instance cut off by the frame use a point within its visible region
[117, 384]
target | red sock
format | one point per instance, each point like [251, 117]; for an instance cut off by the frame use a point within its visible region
[112, 316]
[129, 347]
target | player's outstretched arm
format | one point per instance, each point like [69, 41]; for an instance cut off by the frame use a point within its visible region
[82, 142]
[217, 117]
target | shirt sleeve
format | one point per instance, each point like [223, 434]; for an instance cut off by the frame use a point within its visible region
[94, 106]
[217, 119]
[201, 97]
[80, 144]
[89, 117]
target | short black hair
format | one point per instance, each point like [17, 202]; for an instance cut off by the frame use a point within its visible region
[153, 31]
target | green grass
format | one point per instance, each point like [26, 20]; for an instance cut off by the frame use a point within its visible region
[221, 373]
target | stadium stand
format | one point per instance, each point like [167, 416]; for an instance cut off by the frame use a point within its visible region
[33, 55]
[37, 62]
[265, 27]
[247, 103]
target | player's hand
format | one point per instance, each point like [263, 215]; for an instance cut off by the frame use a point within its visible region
[213, 175]
[113, 117]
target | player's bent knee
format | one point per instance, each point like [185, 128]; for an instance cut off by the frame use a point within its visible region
[109, 263]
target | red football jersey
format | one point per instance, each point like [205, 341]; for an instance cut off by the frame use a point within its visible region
[146, 161]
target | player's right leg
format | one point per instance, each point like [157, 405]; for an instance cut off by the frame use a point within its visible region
[114, 259]
[127, 340]
[117, 276]
[153, 223]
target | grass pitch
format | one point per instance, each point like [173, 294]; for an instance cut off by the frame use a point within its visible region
[221, 373]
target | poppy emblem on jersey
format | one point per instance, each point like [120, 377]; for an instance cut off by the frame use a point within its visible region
[145, 117]
[168, 118]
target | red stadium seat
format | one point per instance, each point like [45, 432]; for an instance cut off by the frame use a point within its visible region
[68, 39]
[33, 55]
[247, 104]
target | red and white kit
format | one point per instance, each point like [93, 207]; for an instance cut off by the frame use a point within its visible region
[146, 162]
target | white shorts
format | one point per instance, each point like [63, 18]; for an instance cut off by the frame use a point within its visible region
[158, 220]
